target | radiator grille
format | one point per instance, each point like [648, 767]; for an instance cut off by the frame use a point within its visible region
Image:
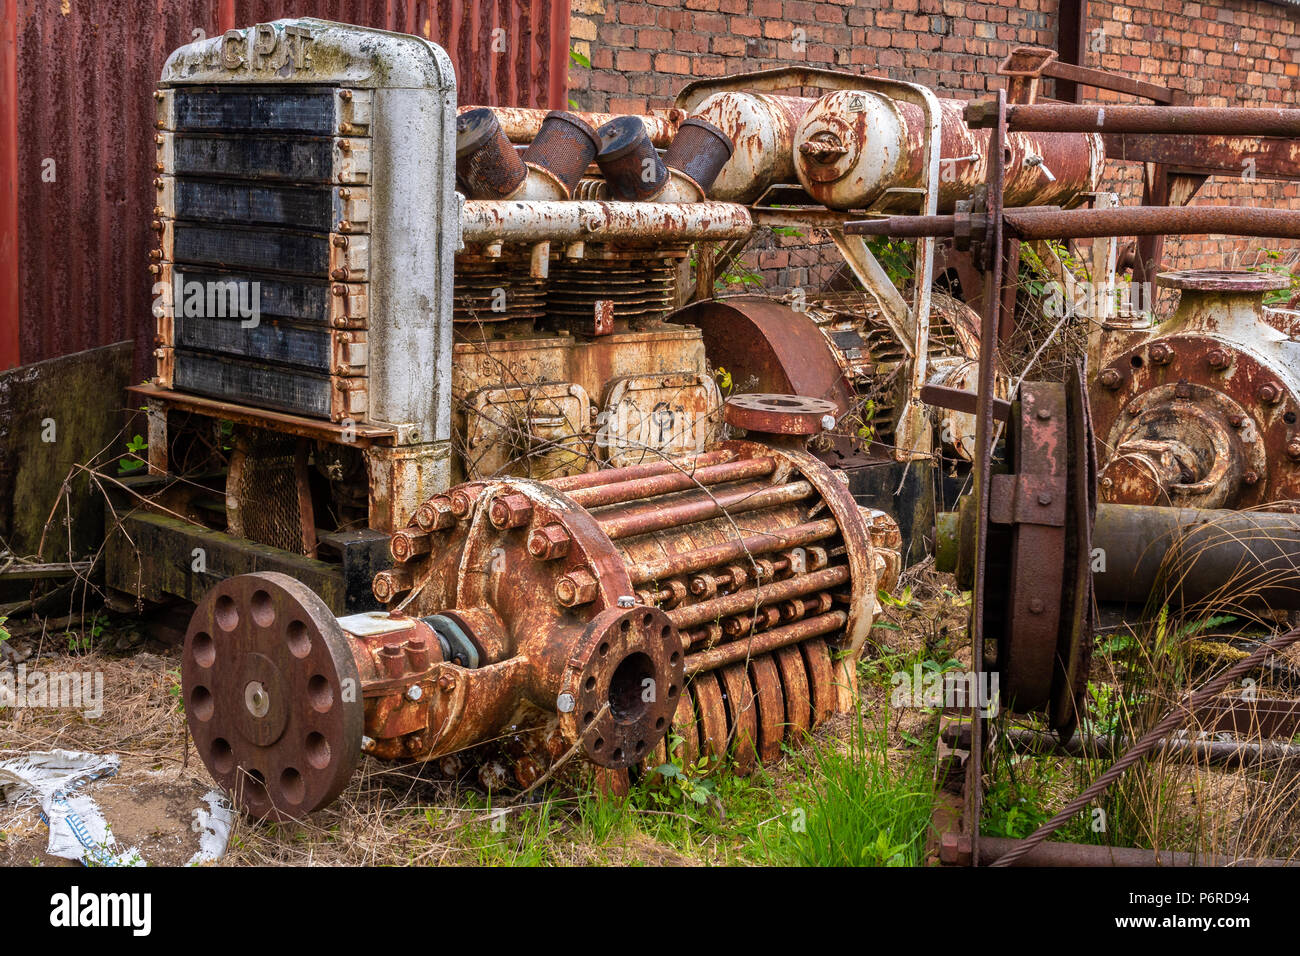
[264, 214]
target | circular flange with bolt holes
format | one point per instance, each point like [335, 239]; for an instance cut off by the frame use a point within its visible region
[272, 695]
[625, 676]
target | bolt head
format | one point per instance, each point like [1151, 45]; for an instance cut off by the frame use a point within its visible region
[565, 703]
[414, 692]
[1110, 378]
[1293, 449]
[1251, 477]
[575, 588]
[1162, 353]
[828, 422]
[510, 511]
[1270, 393]
[549, 542]
[1218, 358]
[626, 601]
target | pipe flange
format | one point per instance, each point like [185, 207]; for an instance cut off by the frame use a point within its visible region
[622, 684]
[271, 695]
[771, 414]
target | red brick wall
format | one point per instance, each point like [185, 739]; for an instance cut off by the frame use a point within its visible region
[1226, 52]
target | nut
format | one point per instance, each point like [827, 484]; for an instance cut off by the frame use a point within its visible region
[510, 511]
[1110, 378]
[1270, 393]
[549, 542]
[435, 514]
[1218, 358]
[1161, 353]
[576, 587]
[1251, 477]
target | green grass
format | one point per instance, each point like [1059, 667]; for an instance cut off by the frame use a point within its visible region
[857, 808]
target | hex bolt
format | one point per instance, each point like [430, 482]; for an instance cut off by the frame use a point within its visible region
[367, 743]
[414, 692]
[1251, 477]
[1044, 498]
[576, 587]
[1110, 378]
[1162, 353]
[1293, 449]
[510, 511]
[447, 682]
[564, 703]
[1270, 393]
[1044, 414]
[828, 422]
[1218, 358]
[435, 514]
[462, 505]
[549, 542]
[626, 601]
[1236, 421]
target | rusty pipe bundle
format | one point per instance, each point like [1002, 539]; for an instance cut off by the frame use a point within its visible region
[724, 595]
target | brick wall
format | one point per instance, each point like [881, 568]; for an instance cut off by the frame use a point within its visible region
[1226, 52]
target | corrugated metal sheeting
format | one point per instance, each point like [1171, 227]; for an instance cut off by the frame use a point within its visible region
[76, 129]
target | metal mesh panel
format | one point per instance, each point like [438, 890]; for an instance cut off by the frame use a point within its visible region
[267, 498]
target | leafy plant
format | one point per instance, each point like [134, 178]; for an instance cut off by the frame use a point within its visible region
[133, 461]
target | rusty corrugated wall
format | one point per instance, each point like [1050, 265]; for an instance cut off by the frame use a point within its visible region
[80, 104]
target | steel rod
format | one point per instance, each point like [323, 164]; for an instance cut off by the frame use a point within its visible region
[691, 561]
[739, 602]
[775, 639]
[639, 488]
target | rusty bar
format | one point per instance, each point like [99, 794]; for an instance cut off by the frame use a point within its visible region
[601, 221]
[1103, 80]
[1272, 157]
[959, 400]
[607, 476]
[689, 562]
[656, 516]
[9, 265]
[956, 851]
[521, 124]
[362, 435]
[1045, 223]
[1112, 118]
[616, 493]
[1233, 754]
[750, 598]
[772, 640]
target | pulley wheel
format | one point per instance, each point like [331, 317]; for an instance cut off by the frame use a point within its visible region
[272, 695]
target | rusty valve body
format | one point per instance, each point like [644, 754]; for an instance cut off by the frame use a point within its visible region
[1202, 412]
[725, 595]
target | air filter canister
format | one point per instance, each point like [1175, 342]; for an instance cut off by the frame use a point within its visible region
[487, 165]
[629, 160]
[699, 150]
[565, 146]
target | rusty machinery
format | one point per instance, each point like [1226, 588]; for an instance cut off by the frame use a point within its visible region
[448, 293]
[1025, 538]
[469, 399]
[724, 595]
